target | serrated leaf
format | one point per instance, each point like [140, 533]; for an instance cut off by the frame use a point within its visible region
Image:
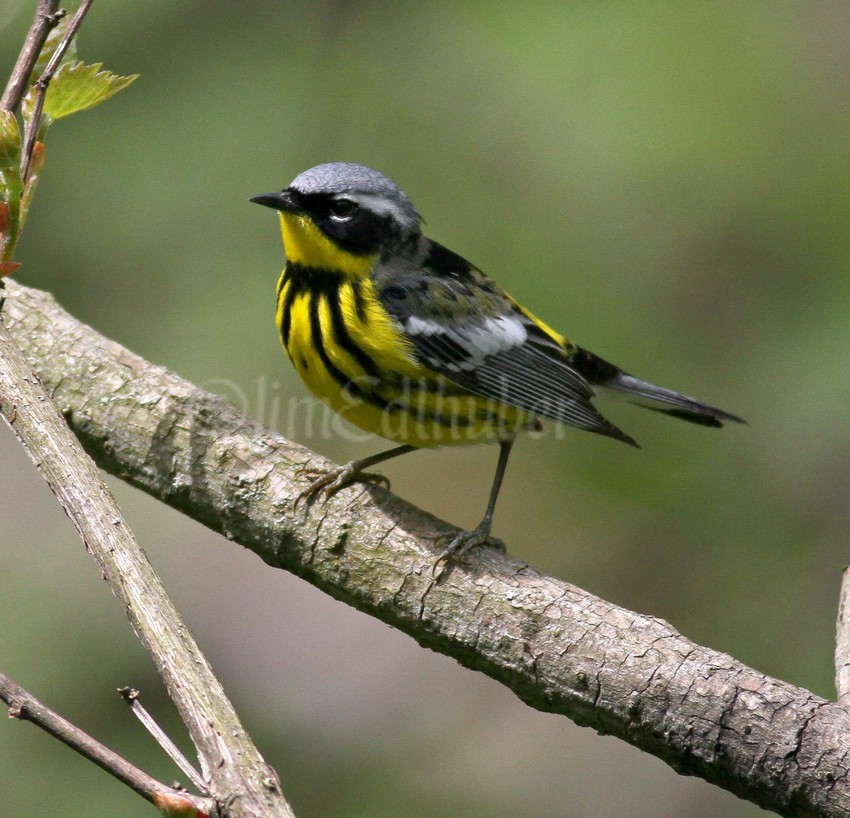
[78, 87]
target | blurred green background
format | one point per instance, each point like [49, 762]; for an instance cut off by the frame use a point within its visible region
[665, 182]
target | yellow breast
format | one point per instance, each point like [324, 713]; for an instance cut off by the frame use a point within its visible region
[355, 359]
[353, 355]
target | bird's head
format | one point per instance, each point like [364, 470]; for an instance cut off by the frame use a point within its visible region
[340, 215]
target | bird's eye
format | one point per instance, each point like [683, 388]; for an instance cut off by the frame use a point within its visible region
[343, 209]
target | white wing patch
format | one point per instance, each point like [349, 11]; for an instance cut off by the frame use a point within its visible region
[496, 335]
[422, 326]
[464, 349]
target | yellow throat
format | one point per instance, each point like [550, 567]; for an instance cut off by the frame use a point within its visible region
[306, 245]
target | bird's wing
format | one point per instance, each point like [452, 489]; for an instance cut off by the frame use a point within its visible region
[464, 327]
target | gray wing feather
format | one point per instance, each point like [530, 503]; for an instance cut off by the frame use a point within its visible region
[466, 329]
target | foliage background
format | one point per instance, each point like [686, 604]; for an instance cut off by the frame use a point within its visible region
[665, 182]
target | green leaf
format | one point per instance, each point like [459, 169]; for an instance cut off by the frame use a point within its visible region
[10, 141]
[78, 87]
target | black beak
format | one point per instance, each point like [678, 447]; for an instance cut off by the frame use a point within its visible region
[281, 200]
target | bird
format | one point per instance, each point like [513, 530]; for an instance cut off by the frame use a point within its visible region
[408, 340]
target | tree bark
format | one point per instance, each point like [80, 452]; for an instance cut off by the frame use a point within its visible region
[557, 647]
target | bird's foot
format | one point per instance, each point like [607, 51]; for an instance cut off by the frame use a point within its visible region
[329, 483]
[466, 540]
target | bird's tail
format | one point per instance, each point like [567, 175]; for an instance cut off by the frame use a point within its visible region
[669, 402]
[643, 393]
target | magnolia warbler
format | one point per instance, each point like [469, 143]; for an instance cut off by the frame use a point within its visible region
[406, 339]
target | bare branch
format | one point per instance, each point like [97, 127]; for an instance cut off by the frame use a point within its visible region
[23, 705]
[229, 760]
[557, 647]
[131, 697]
[45, 19]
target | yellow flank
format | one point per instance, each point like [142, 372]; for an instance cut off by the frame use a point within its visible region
[405, 401]
[378, 334]
[306, 244]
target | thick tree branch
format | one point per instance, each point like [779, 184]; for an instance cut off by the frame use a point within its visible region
[23, 705]
[558, 648]
[231, 764]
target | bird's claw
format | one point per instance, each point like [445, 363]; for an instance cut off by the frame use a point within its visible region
[329, 483]
[463, 542]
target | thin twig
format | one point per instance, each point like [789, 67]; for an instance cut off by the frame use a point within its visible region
[46, 18]
[131, 697]
[23, 705]
[842, 641]
[41, 87]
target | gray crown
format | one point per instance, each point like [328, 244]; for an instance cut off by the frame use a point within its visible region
[347, 177]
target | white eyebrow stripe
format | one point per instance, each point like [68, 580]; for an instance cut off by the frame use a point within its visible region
[381, 206]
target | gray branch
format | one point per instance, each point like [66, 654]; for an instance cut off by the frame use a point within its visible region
[557, 647]
[231, 764]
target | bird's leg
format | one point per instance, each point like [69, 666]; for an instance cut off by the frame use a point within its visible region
[331, 482]
[481, 533]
